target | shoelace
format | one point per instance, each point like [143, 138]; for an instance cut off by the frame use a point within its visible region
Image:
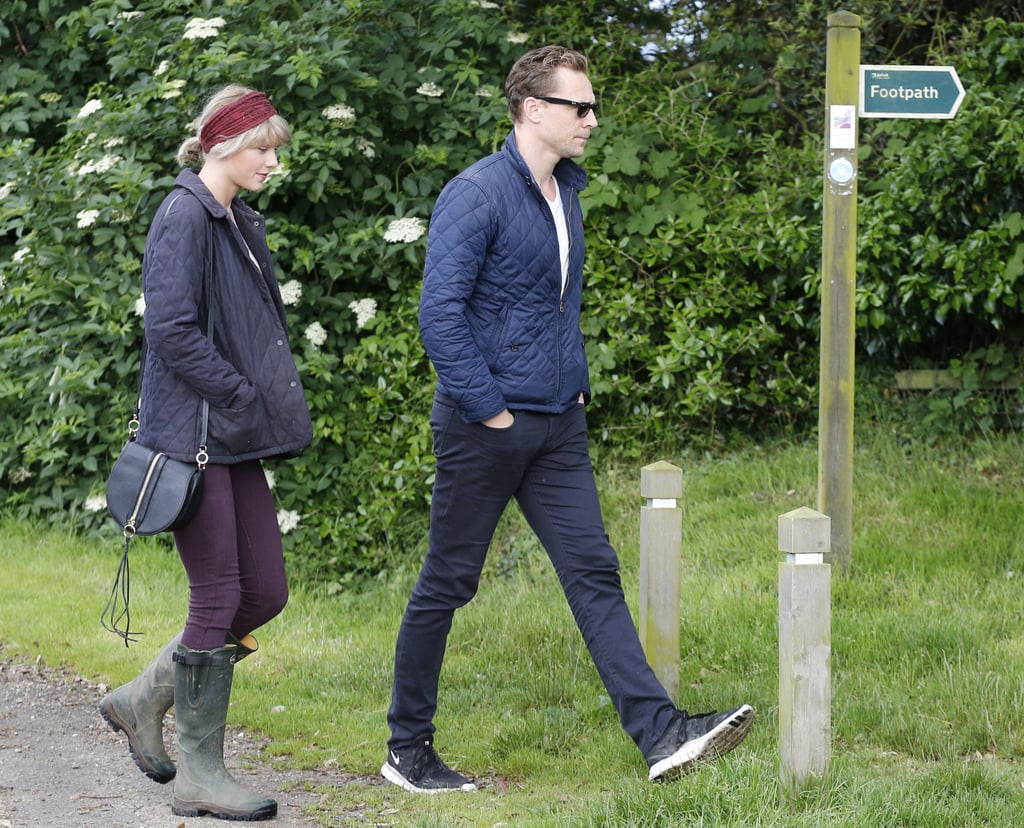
[426, 760]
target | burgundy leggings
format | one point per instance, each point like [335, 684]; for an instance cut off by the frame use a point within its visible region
[232, 555]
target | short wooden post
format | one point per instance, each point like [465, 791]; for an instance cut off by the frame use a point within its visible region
[805, 649]
[661, 546]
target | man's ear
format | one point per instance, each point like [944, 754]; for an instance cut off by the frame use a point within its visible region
[531, 109]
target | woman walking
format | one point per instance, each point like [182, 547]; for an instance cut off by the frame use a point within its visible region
[215, 334]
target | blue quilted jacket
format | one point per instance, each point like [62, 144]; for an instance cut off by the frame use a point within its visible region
[494, 320]
[247, 373]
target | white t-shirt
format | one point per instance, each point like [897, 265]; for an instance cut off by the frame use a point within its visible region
[562, 229]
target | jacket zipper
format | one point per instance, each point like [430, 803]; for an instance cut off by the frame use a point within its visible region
[561, 295]
[568, 233]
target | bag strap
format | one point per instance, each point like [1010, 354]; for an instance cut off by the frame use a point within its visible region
[116, 609]
[207, 293]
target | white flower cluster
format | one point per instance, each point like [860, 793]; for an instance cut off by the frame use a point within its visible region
[364, 309]
[95, 503]
[486, 4]
[271, 480]
[21, 254]
[7, 189]
[87, 218]
[20, 475]
[89, 107]
[291, 292]
[172, 89]
[140, 305]
[198, 28]
[340, 115]
[100, 165]
[163, 67]
[405, 230]
[431, 90]
[366, 147]
[316, 334]
[517, 37]
[287, 520]
[484, 92]
[129, 15]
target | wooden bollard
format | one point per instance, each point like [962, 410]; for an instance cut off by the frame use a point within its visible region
[805, 649]
[661, 546]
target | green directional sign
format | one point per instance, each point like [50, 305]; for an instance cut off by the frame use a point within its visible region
[909, 92]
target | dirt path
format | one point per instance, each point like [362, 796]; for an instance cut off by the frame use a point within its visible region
[60, 764]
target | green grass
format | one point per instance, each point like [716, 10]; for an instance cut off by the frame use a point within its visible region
[927, 656]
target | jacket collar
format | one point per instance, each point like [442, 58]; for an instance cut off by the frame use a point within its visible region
[188, 179]
[566, 170]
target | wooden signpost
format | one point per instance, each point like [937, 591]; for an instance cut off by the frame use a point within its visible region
[813, 540]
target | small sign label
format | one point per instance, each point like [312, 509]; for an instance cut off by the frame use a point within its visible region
[842, 133]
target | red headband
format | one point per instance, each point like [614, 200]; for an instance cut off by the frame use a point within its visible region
[252, 109]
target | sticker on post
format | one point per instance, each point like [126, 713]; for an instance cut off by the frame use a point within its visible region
[842, 133]
[841, 171]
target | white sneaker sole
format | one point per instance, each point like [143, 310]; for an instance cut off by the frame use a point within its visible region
[711, 745]
[395, 778]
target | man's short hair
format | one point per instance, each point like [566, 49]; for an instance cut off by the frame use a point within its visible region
[533, 75]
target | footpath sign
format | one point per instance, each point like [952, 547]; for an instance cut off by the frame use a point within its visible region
[909, 92]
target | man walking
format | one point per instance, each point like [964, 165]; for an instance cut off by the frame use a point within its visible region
[500, 320]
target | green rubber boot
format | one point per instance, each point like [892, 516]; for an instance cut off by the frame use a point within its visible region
[137, 709]
[203, 786]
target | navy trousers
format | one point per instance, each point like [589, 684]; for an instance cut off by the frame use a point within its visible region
[543, 462]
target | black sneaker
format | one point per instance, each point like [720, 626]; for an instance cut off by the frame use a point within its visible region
[420, 770]
[691, 740]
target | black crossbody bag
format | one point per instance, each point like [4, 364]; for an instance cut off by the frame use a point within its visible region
[149, 492]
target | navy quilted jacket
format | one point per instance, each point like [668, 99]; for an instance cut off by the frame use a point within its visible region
[494, 320]
[248, 375]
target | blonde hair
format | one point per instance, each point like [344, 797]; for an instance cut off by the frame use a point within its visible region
[274, 132]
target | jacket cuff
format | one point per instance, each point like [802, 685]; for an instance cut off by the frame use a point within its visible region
[476, 411]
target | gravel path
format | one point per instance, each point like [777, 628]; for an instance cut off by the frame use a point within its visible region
[60, 764]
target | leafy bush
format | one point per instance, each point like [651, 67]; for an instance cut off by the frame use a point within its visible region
[384, 105]
[703, 214]
[942, 215]
[697, 290]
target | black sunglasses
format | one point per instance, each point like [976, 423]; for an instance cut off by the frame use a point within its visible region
[581, 108]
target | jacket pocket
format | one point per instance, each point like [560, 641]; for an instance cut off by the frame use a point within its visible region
[239, 430]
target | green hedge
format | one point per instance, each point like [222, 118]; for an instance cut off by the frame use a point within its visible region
[703, 219]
